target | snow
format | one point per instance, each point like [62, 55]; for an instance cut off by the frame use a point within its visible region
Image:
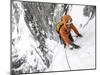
[83, 58]
[25, 40]
[59, 62]
[25, 46]
[63, 58]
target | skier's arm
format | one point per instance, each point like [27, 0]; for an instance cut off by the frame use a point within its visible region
[74, 29]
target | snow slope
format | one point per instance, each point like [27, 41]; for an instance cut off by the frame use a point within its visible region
[83, 58]
[63, 58]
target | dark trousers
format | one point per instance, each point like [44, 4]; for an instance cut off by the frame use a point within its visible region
[71, 38]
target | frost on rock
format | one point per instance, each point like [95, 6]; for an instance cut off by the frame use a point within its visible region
[29, 51]
[35, 43]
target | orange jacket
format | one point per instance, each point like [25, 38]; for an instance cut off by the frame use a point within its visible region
[64, 30]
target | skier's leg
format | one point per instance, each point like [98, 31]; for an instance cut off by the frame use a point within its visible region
[62, 41]
[71, 38]
[66, 40]
[69, 43]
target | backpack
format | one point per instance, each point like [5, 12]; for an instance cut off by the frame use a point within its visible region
[58, 26]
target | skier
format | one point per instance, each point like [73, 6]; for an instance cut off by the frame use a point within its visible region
[65, 31]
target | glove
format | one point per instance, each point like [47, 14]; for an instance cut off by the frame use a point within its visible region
[75, 46]
[79, 35]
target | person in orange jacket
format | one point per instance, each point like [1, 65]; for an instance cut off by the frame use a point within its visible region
[65, 30]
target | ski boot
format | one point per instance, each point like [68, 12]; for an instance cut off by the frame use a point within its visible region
[75, 46]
